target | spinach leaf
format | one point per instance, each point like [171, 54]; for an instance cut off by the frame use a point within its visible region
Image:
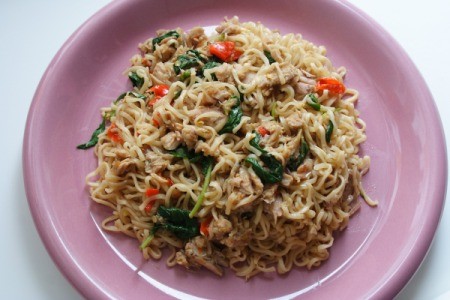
[190, 59]
[255, 142]
[234, 118]
[177, 94]
[137, 95]
[184, 152]
[121, 96]
[94, 138]
[273, 171]
[294, 162]
[329, 131]
[313, 102]
[209, 65]
[269, 57]
[197, 54]
[178, 222]
[136, 80]
[160, 38]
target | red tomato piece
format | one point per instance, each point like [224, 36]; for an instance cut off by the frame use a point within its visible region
[149, 207]
[151, 192]
[226, 51]
[113, 134]
[204, 226]
[330, 84]
[263, 131]
[159, 91]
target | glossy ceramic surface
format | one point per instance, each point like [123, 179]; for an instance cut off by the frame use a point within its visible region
[375, 256]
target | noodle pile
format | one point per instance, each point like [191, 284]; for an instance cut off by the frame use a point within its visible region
[254, 127]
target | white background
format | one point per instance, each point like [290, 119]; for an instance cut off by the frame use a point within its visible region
[31, 32]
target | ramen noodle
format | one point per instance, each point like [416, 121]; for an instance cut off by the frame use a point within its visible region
[238, 150]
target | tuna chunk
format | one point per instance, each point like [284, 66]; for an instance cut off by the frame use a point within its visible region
[155, 163]
[196, 37]
[127, 165]
[171, 140]
[195, 255]
[229, 27]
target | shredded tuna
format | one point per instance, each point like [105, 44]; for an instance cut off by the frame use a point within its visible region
[224, 73]
[127, 165]
[191, 133]
[196, 37]
[171, 140]
[294, 121]
[268, 195]
[121, 153]
[219, 228]
[272, 77]
[246, 182]
[195, 255]
[303, 85]
[214, 95]
[155, 163]
[163, 73]
[230, 26]
[238, 238]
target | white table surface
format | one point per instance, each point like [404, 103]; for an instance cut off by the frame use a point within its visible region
[31, 32]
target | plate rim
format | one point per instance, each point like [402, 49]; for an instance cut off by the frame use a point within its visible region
[84, 284]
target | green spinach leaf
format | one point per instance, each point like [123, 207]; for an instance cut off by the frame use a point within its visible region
[234, 118]
[273, 170]
[269, 57]
[329, 131]
[192, 58]
[184, 152]
[94, 138]
[160, 38]
[255, 142]
[313, 102]
[209, 65]
[178, 222]
[136, 80]
[295, 161]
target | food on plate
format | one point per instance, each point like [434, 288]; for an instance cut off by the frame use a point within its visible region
[237, 150]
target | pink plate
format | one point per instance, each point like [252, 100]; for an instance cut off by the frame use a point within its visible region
[374, 257]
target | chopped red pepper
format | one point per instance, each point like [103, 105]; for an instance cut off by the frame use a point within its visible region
[159, 91]
[151, 192]
[155, 123]
[149, 207]
[113, 134]
[145, 62]
[226, 51]
[169, 182]
[263, 131]
[330, 84]
[204, 226]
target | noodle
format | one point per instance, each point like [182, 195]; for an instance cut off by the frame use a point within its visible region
[250, 132]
